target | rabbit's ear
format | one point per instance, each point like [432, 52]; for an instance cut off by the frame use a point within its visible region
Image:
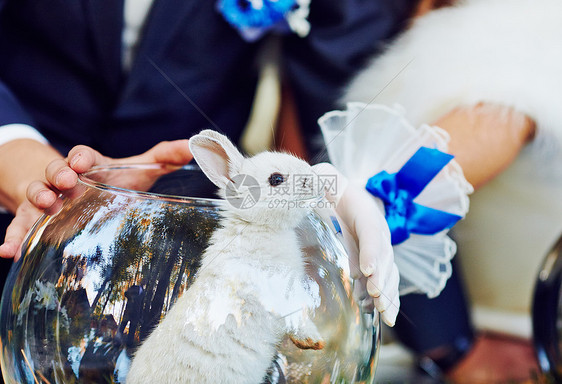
[217, 157]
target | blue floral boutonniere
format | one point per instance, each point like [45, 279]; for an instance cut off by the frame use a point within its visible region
[253, 18]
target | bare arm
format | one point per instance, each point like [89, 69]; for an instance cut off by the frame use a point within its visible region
[486, 139]
[24, 160]
[21, 162]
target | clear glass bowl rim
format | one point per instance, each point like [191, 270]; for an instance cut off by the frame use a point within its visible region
[87, 181]
[199, 201]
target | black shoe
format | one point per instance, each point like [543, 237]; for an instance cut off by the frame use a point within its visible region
[438, 362]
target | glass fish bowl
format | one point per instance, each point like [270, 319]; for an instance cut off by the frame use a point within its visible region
[100, 271]
[547, 315]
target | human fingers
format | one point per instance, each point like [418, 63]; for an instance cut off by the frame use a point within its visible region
[376, 260]
[82, 158]
[347, 211]
[376, 256]
[169, 152]
[389, 316]
[361, 295]
[26, 216]
[363, 215]
[384, 302]
[60, 176]
[41, 195]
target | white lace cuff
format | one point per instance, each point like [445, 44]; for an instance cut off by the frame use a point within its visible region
[366, 139]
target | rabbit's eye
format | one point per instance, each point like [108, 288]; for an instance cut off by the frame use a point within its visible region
[275, 179]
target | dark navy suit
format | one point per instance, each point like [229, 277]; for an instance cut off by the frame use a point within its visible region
[61, 72]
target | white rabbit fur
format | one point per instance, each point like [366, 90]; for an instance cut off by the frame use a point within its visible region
[247, 293]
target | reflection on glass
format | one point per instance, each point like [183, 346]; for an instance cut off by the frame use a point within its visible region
[100, 273]
[547, 315]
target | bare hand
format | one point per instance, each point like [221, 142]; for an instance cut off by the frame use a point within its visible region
[62, 175]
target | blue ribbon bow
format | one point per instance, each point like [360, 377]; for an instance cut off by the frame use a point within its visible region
[399, 190]
[254, 18]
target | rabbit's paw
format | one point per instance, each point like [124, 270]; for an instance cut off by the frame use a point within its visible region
[306, 335]
[308, 343]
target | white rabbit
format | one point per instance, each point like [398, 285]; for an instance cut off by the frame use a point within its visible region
[245, 297]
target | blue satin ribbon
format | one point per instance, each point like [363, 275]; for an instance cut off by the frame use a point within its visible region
[242, 14]
[399, 190]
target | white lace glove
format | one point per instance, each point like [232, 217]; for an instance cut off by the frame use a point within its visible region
[367, 238]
